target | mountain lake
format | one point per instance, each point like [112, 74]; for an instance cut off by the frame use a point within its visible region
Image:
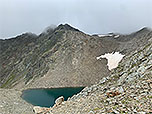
[47, 97]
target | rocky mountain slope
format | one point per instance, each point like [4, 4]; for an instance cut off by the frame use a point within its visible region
[61, 57]
[12, 103]
[65, 56]
[127, 90]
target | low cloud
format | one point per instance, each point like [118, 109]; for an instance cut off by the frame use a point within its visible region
[90, 16]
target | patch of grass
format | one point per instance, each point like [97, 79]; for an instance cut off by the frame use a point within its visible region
[95, 109]
[124, 102]
[9, 81]
[150, 97]
[114, 107]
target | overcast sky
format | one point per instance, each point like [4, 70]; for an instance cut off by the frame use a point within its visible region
[90, 16]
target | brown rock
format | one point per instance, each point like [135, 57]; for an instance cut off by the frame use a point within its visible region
[59, 100]
[112, 94]
[39, 110]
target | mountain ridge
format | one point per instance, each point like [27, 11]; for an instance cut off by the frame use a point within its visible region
[65, 58]
[31, 57]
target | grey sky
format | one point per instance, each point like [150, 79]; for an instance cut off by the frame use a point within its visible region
[90, 16]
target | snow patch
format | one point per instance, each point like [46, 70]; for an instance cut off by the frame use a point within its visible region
[105, 35]
[113, 59]
[117, 36]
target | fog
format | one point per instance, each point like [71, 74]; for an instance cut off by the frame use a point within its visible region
[90, 16]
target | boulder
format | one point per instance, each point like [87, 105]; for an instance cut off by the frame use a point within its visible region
[40, 110]
[112, 94]
[59, 100]
[37, 109]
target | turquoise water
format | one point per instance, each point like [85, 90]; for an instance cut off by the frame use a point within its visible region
[47, 97]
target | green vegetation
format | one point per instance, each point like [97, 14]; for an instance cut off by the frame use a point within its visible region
[30, 52]
[9, 80]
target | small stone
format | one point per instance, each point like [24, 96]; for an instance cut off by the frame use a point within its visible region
[132, 86]
[85, 93]
[103, 80]
[91, 112]
[115, 111]
[90, 89]
[132, 95]
[141, 69]
[63, 102]
[135, 110]
[112, 88]
[143, 94]
[112, 94]
[120, 89]
[137, 98]
[1, 106]
[16, 103]
[138, 86]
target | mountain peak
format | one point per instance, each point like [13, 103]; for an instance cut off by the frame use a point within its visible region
[66, 27]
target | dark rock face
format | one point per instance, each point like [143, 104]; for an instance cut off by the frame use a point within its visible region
[63, 57]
